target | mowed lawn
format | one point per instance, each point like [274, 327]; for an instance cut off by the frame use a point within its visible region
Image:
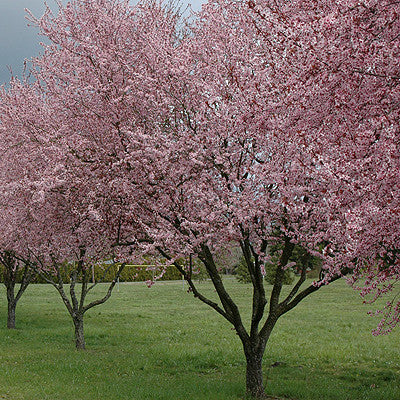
[161, 343]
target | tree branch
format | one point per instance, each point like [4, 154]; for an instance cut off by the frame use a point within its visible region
[193, 288]
[108, 294]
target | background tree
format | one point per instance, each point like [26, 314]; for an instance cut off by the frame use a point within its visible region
[48, 210]
[79, 274]
[22, 161]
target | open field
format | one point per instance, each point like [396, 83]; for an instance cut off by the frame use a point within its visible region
[161, 343]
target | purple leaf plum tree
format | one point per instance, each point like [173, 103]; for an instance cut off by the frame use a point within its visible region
[259, 123]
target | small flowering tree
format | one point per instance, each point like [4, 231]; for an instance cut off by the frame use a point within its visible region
[48, 213]
[79, 274]
[18, 172]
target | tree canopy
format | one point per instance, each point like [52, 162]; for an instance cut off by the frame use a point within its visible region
[261, 123]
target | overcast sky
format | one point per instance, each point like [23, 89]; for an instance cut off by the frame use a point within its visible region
[18, 41]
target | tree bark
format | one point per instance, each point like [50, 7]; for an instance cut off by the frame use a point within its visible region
[254, 375]
[11, 314]
[79, 335]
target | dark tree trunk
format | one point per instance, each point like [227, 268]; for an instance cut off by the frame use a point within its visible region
[12, 304]
[254, 375]
[79, 336]
[11, 314]
[255, 340]
[11, 268]
[75, 304]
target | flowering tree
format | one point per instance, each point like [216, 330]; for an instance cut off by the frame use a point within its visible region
[267, 122]
[48, 212]
[21, 161]
[300, 116]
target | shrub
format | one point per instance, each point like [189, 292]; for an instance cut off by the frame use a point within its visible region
[243, 276]
[270, 272]
[241, 272]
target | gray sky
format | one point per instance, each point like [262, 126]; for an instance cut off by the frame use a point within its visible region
[18, 41]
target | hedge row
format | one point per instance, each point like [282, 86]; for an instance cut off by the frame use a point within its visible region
[106, 273]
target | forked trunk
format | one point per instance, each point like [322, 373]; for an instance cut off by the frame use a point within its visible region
[11, 314]
[79, 336]
[254, 375]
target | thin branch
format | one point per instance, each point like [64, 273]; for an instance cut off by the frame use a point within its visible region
[276, 291]
[359, 71]
[25, 281]
[108, 294]
[193, 288]
[102, 278]
[311, 289]
[299, 283]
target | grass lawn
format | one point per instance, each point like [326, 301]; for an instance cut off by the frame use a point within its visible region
[161, 343]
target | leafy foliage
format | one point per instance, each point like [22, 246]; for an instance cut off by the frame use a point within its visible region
[270, 274]
[241, 272]
[299, 257]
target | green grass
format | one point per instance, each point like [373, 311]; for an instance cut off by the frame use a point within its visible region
[161, 343]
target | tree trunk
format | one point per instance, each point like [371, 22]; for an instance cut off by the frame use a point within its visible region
[254, 376]
[11, 314]
[12, 304]
[79, 336]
